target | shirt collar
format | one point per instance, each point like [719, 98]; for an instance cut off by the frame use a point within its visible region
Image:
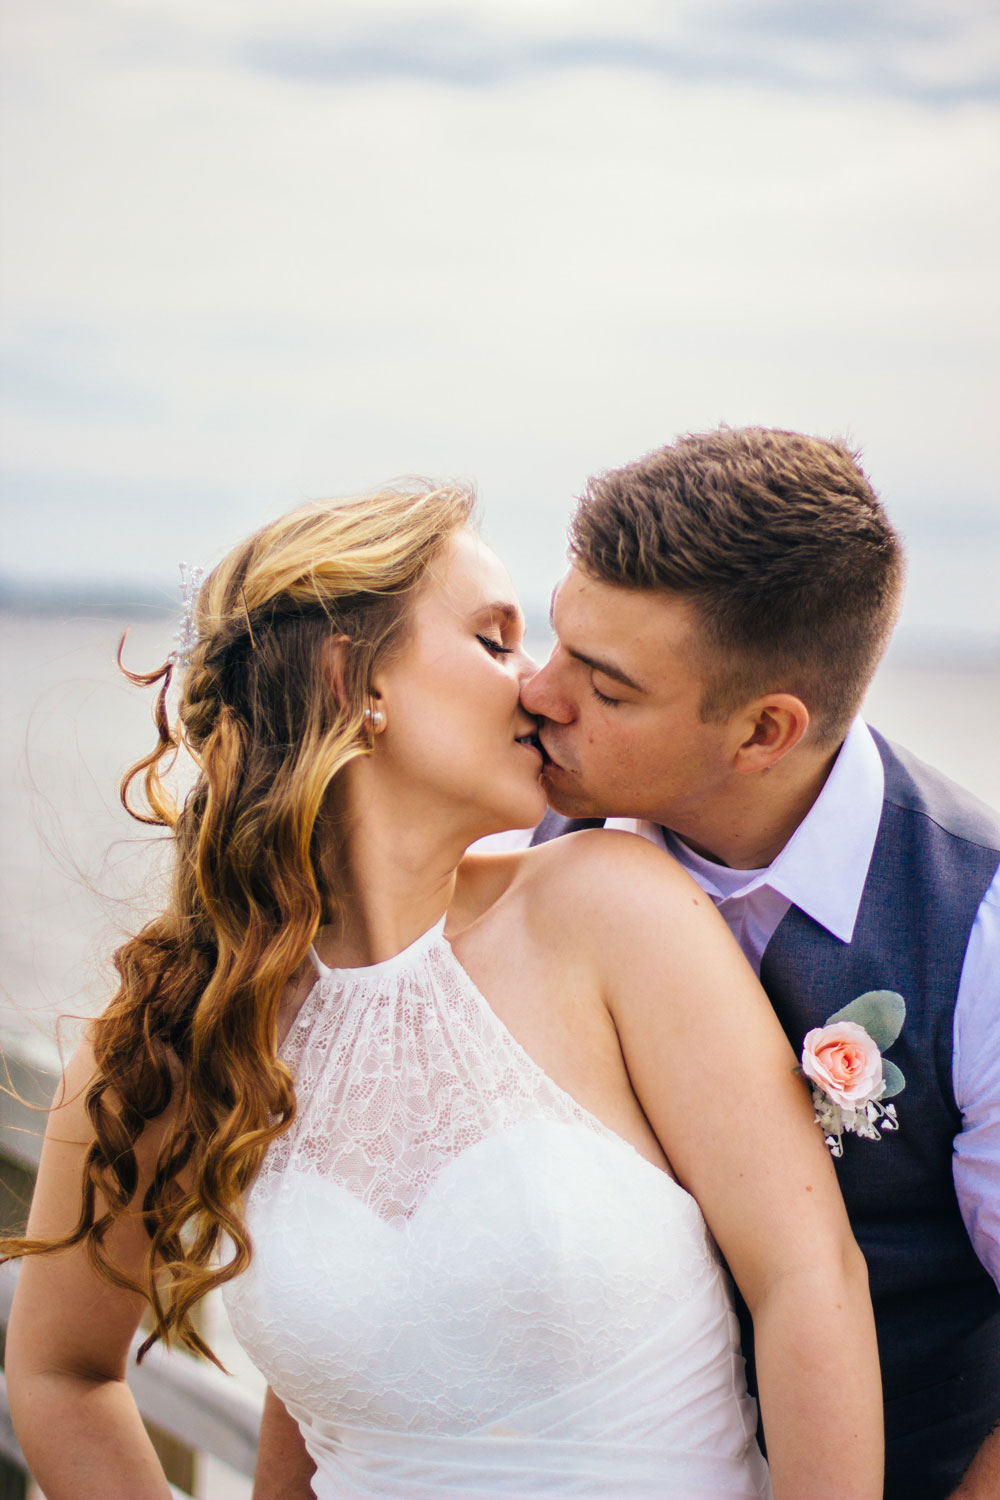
[823, 867]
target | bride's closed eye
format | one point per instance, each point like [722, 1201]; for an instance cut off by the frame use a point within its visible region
[496, 648]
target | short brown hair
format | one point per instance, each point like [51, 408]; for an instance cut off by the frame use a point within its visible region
[782, 546]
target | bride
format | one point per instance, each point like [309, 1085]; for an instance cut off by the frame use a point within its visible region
[449, 1128]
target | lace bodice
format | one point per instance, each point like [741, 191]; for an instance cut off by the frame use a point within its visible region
[415, 1068]
[455, 1262]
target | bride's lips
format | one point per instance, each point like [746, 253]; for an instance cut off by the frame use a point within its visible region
[529, 741]
[548, 759]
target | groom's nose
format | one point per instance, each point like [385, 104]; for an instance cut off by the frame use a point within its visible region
[542, 696]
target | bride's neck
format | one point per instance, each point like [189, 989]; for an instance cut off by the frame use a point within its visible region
[394, 877]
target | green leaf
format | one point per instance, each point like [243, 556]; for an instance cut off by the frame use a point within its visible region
[880, 1012]
[895, 1083]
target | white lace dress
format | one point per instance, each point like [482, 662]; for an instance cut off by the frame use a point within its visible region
[463, 1284]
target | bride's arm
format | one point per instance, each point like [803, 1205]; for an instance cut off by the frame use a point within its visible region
[284, 1468]
[70, 1330]
[714, 1073]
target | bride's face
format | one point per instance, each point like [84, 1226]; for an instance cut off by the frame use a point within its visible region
[456, 745]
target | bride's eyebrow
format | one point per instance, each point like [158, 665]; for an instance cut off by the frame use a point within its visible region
[501, 609]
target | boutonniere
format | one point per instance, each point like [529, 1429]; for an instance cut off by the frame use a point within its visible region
[850, 1078]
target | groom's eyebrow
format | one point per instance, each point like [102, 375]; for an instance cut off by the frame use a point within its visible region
[606, 669]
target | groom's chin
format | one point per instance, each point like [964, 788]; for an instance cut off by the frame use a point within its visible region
[568, 801]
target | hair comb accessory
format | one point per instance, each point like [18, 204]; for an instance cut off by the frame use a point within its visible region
[186, 635]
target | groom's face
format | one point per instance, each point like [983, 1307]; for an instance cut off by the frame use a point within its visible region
[619, 703]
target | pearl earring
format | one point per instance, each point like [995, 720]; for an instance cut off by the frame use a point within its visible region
[374, 718]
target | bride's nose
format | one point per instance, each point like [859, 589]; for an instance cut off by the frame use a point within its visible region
[527, 667]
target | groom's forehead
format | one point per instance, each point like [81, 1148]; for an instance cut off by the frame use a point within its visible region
[580, 599]
[654, 626]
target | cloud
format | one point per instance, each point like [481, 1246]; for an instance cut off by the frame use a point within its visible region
[856, 48]
[934, 52]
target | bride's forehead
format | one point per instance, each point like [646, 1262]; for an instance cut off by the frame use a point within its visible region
[468, 575]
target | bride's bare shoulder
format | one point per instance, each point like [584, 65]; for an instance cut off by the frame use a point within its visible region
[592, 877]
[604, 852]
[484, 878]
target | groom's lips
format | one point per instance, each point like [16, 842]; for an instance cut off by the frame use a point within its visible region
[548, 759]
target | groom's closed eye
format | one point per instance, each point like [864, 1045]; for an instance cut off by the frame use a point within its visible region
[606, 669]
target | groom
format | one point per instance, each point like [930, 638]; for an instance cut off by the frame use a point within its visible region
[728, 601]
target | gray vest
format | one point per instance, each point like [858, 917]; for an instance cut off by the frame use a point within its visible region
[936, 1309]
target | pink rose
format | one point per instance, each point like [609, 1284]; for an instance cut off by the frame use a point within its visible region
[845, 1063]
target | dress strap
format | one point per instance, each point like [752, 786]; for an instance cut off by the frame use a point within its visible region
[321, 968]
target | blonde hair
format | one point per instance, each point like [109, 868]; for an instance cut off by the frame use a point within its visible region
[193, 1023]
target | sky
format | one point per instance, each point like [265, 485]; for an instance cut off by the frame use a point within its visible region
[254, 254]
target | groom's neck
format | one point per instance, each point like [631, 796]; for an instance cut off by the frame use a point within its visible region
[748, 824]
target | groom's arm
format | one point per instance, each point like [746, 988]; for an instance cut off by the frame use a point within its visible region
[976, 1079]
[977, 1146]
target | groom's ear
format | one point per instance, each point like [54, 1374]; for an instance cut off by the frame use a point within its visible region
[768, 728]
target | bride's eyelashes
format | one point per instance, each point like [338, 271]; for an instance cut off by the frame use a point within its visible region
[496, 648]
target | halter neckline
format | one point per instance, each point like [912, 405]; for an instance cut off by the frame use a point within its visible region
[384, 965]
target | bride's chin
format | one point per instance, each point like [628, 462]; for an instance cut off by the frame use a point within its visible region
[535, 805]
[524, 811]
